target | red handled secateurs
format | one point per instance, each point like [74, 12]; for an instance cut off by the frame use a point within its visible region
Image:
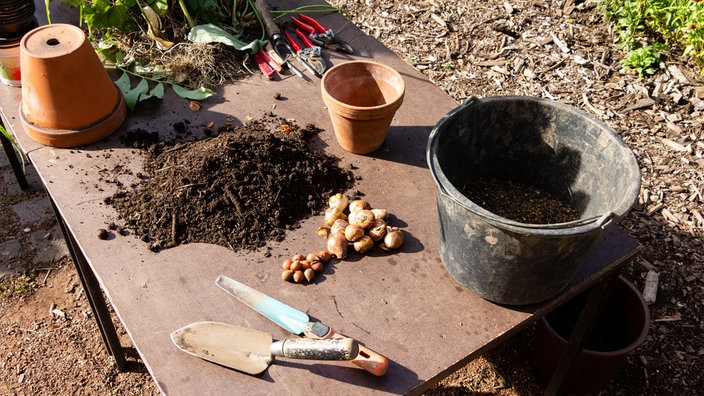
[308, 54]
[321, 35]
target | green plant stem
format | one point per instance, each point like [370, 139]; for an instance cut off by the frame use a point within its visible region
[259, 18]
[190, 21]
[14, 145]
[313, 8]
[234, 21]
[48, 13]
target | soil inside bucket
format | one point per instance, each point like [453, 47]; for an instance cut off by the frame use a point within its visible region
[518, 201]
[239, 189]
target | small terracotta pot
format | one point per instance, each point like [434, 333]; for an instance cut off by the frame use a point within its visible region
[622, 327]
[68, 98]
[362, 98]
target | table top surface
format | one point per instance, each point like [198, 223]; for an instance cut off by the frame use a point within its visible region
[404, 304]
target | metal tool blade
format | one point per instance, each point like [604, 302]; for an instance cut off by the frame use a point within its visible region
[339, 45]
[285, 316]
[252, 351]
[313, 60]
[328, 40]
[243, 349]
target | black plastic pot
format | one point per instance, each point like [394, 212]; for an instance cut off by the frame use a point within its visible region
[16, 18]
[621, 328]
[537, 142]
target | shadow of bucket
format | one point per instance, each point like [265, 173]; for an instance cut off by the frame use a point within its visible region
[543, 144]
[621, 327]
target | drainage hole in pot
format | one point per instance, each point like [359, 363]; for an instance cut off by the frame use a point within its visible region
[517, 201]
[53, 41]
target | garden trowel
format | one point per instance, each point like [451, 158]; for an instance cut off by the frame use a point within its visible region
[252, 351]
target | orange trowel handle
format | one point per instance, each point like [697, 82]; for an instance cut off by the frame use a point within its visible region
[366, 359]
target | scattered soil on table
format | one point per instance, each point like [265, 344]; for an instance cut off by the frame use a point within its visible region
[518, 201]
[239, 189]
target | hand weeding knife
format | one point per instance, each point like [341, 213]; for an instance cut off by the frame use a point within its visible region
[297, 322]
[251, 351]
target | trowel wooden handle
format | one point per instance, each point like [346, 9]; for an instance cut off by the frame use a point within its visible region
[263, 10]
[316, 348]
[366, 359]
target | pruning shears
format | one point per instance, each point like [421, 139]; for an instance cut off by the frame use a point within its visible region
[280, 45]
[321, 35]
[309, 55]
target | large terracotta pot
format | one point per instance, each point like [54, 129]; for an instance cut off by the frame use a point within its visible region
[621, 328]
[362, 98]
[68, 98]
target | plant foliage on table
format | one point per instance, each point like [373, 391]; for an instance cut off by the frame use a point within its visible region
[191, 45]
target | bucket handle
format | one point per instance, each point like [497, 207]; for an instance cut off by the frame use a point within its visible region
[600, 221]
[470, 100]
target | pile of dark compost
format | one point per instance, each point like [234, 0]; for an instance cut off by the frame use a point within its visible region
[240, 189]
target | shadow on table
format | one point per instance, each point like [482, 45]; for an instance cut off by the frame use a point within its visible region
[353, 375]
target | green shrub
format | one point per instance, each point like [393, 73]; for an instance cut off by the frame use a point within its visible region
[646, 28]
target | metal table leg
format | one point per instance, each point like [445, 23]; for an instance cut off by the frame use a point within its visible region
[587, 319]
[14, 162]
[94, 294]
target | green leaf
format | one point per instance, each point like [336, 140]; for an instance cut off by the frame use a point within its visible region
[75, 3]
[160, 6]
[209, 11]
[212, 34]
[124, 83]
[133, 96]
[196, 94]
[156, 92]
[103, 14]
[139, 93]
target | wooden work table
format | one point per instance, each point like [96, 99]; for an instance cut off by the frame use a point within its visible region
[403, 305]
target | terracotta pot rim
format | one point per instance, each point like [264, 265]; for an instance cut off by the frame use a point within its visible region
[622, 351]
[362, 113]
[80, 136]
[384, 107]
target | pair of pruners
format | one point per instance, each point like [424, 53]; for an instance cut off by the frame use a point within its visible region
[321, 35]
[280, 46]
[308, 55]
